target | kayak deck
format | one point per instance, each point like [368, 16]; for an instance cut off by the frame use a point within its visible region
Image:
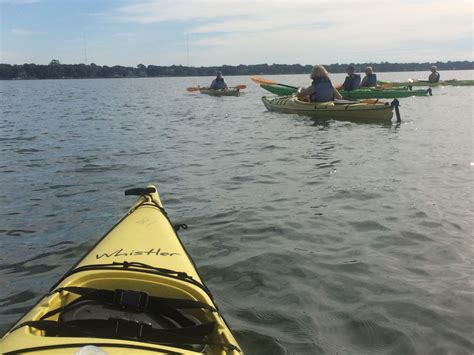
[357, 111]
[136, 290]
[396, 93]
[417, 82]
[223, 92]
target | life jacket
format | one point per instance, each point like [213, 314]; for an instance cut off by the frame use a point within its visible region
[371, 80]
[218, 84]
[352, 82]
[435, 77]
[323, 90]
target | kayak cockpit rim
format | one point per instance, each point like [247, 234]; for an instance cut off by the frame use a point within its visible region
[135, 267]
[74, 345]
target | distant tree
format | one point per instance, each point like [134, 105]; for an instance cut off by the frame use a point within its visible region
[107, 72]
[29, 70]
[8, 71]
[81, 70]
[70, 71]
[141, 70]
[56, 70]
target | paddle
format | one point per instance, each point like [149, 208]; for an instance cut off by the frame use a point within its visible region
[260, 80]
[194, 88]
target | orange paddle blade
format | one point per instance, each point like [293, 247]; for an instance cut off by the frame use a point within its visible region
[260, 80]
[241, 86]
[192, 89]
[371, 101]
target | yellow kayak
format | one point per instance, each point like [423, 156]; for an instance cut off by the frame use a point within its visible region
[371, 110]
[136, 291]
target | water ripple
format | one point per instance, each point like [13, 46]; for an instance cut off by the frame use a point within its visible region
[314, 236]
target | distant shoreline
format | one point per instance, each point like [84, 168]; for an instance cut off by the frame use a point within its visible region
[56, 70]
[196, 76]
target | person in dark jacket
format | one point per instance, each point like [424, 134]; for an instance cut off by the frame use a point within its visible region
[434, 76]
[352, 81]
[370, 79]
[219, 83]
[322, 89]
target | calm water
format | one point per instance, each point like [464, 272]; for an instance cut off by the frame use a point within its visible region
[315, 237]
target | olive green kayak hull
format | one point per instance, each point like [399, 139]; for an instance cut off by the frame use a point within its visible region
[213, 92]
[451, 82]
[371, 93]
[357, 111]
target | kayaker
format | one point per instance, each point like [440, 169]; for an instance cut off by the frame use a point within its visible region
[322, 89]
[219, 83]
[370, 79]
[352, 81]
[434, 76]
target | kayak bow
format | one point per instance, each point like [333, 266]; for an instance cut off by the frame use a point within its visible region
[137, 290]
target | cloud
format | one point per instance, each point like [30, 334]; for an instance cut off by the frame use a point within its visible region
[361, 20]
[215, 32]
[19, 2]
[334, 32]
[22, 32]
[179, 10]
[8, 57]
[262, 24]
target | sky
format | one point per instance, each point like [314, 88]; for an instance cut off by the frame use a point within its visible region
[217, 32]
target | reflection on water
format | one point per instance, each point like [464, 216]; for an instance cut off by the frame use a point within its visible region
[314, 236]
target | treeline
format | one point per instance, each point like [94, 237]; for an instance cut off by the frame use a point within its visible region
[56, 70]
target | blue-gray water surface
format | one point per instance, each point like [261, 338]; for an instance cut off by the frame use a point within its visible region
[314, 237]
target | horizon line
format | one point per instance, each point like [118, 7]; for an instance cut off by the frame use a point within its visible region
[237, 65]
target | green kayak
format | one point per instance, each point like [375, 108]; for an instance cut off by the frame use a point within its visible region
[451, 82]
[372, 93]
[366, 93]
[279, 90]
